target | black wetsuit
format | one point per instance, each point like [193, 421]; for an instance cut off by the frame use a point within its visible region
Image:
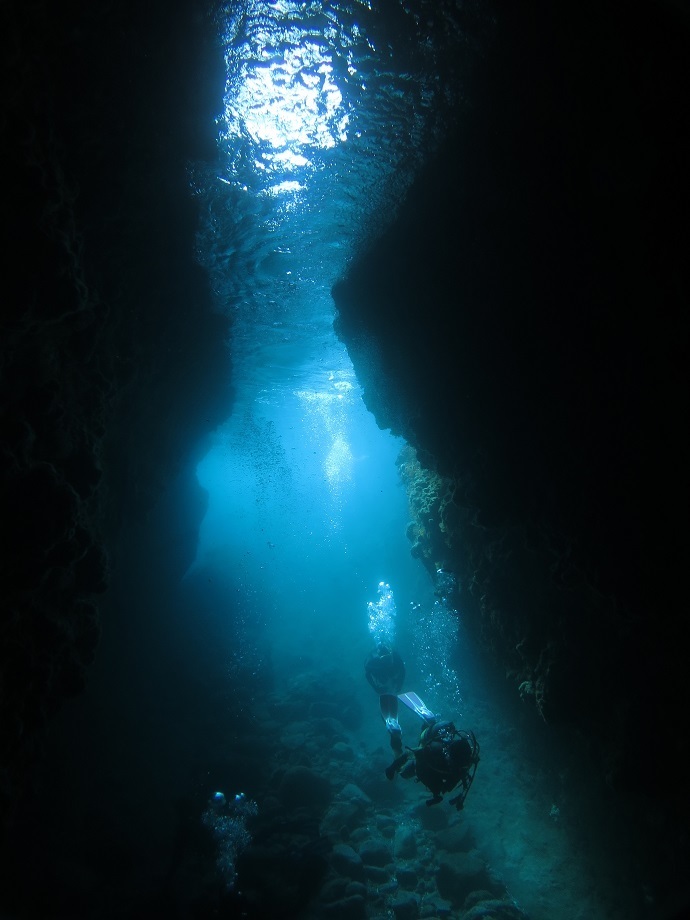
[385, 671]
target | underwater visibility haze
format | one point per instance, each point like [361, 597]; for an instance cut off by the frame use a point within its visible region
[341, 388]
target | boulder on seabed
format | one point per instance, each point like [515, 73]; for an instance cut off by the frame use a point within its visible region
[342, 751]
[405, 844]
[407, 877]
[376, 875]
[405, 908]
[460, 874]
[456, 838]
[345, 812]
[352, 907]
[352, 793]
[347, 861]
[376, 852]
[495, 909]
[435, 906]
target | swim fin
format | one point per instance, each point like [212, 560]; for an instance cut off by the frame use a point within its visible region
[413, 702]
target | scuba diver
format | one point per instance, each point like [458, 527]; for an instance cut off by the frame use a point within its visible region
[445, 758]
[385, 671]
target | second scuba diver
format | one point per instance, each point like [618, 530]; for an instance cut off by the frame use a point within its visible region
[445, 758]
[385, 671]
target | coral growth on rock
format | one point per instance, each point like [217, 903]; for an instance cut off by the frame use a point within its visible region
[517, 585]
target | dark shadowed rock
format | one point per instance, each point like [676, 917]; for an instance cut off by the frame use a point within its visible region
[405, 908]
[376, 853]
[405, 845]
[495, 910]
[459, 875]
[347, 862]
[407, 878]
[376, 875]
[352, 907]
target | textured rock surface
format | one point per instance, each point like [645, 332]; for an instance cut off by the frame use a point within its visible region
[104, 323]
[347, 861]
[518, 325]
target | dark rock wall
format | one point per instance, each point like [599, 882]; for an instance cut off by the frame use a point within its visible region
[112, 363]
[522, 325]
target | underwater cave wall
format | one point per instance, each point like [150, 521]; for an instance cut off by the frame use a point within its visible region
[520, 325]
[113, 363]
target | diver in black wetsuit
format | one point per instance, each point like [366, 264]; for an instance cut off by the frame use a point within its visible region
[445, 758]
[385, 671]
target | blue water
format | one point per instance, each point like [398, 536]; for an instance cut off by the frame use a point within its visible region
[328, 111]
[305, 509]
